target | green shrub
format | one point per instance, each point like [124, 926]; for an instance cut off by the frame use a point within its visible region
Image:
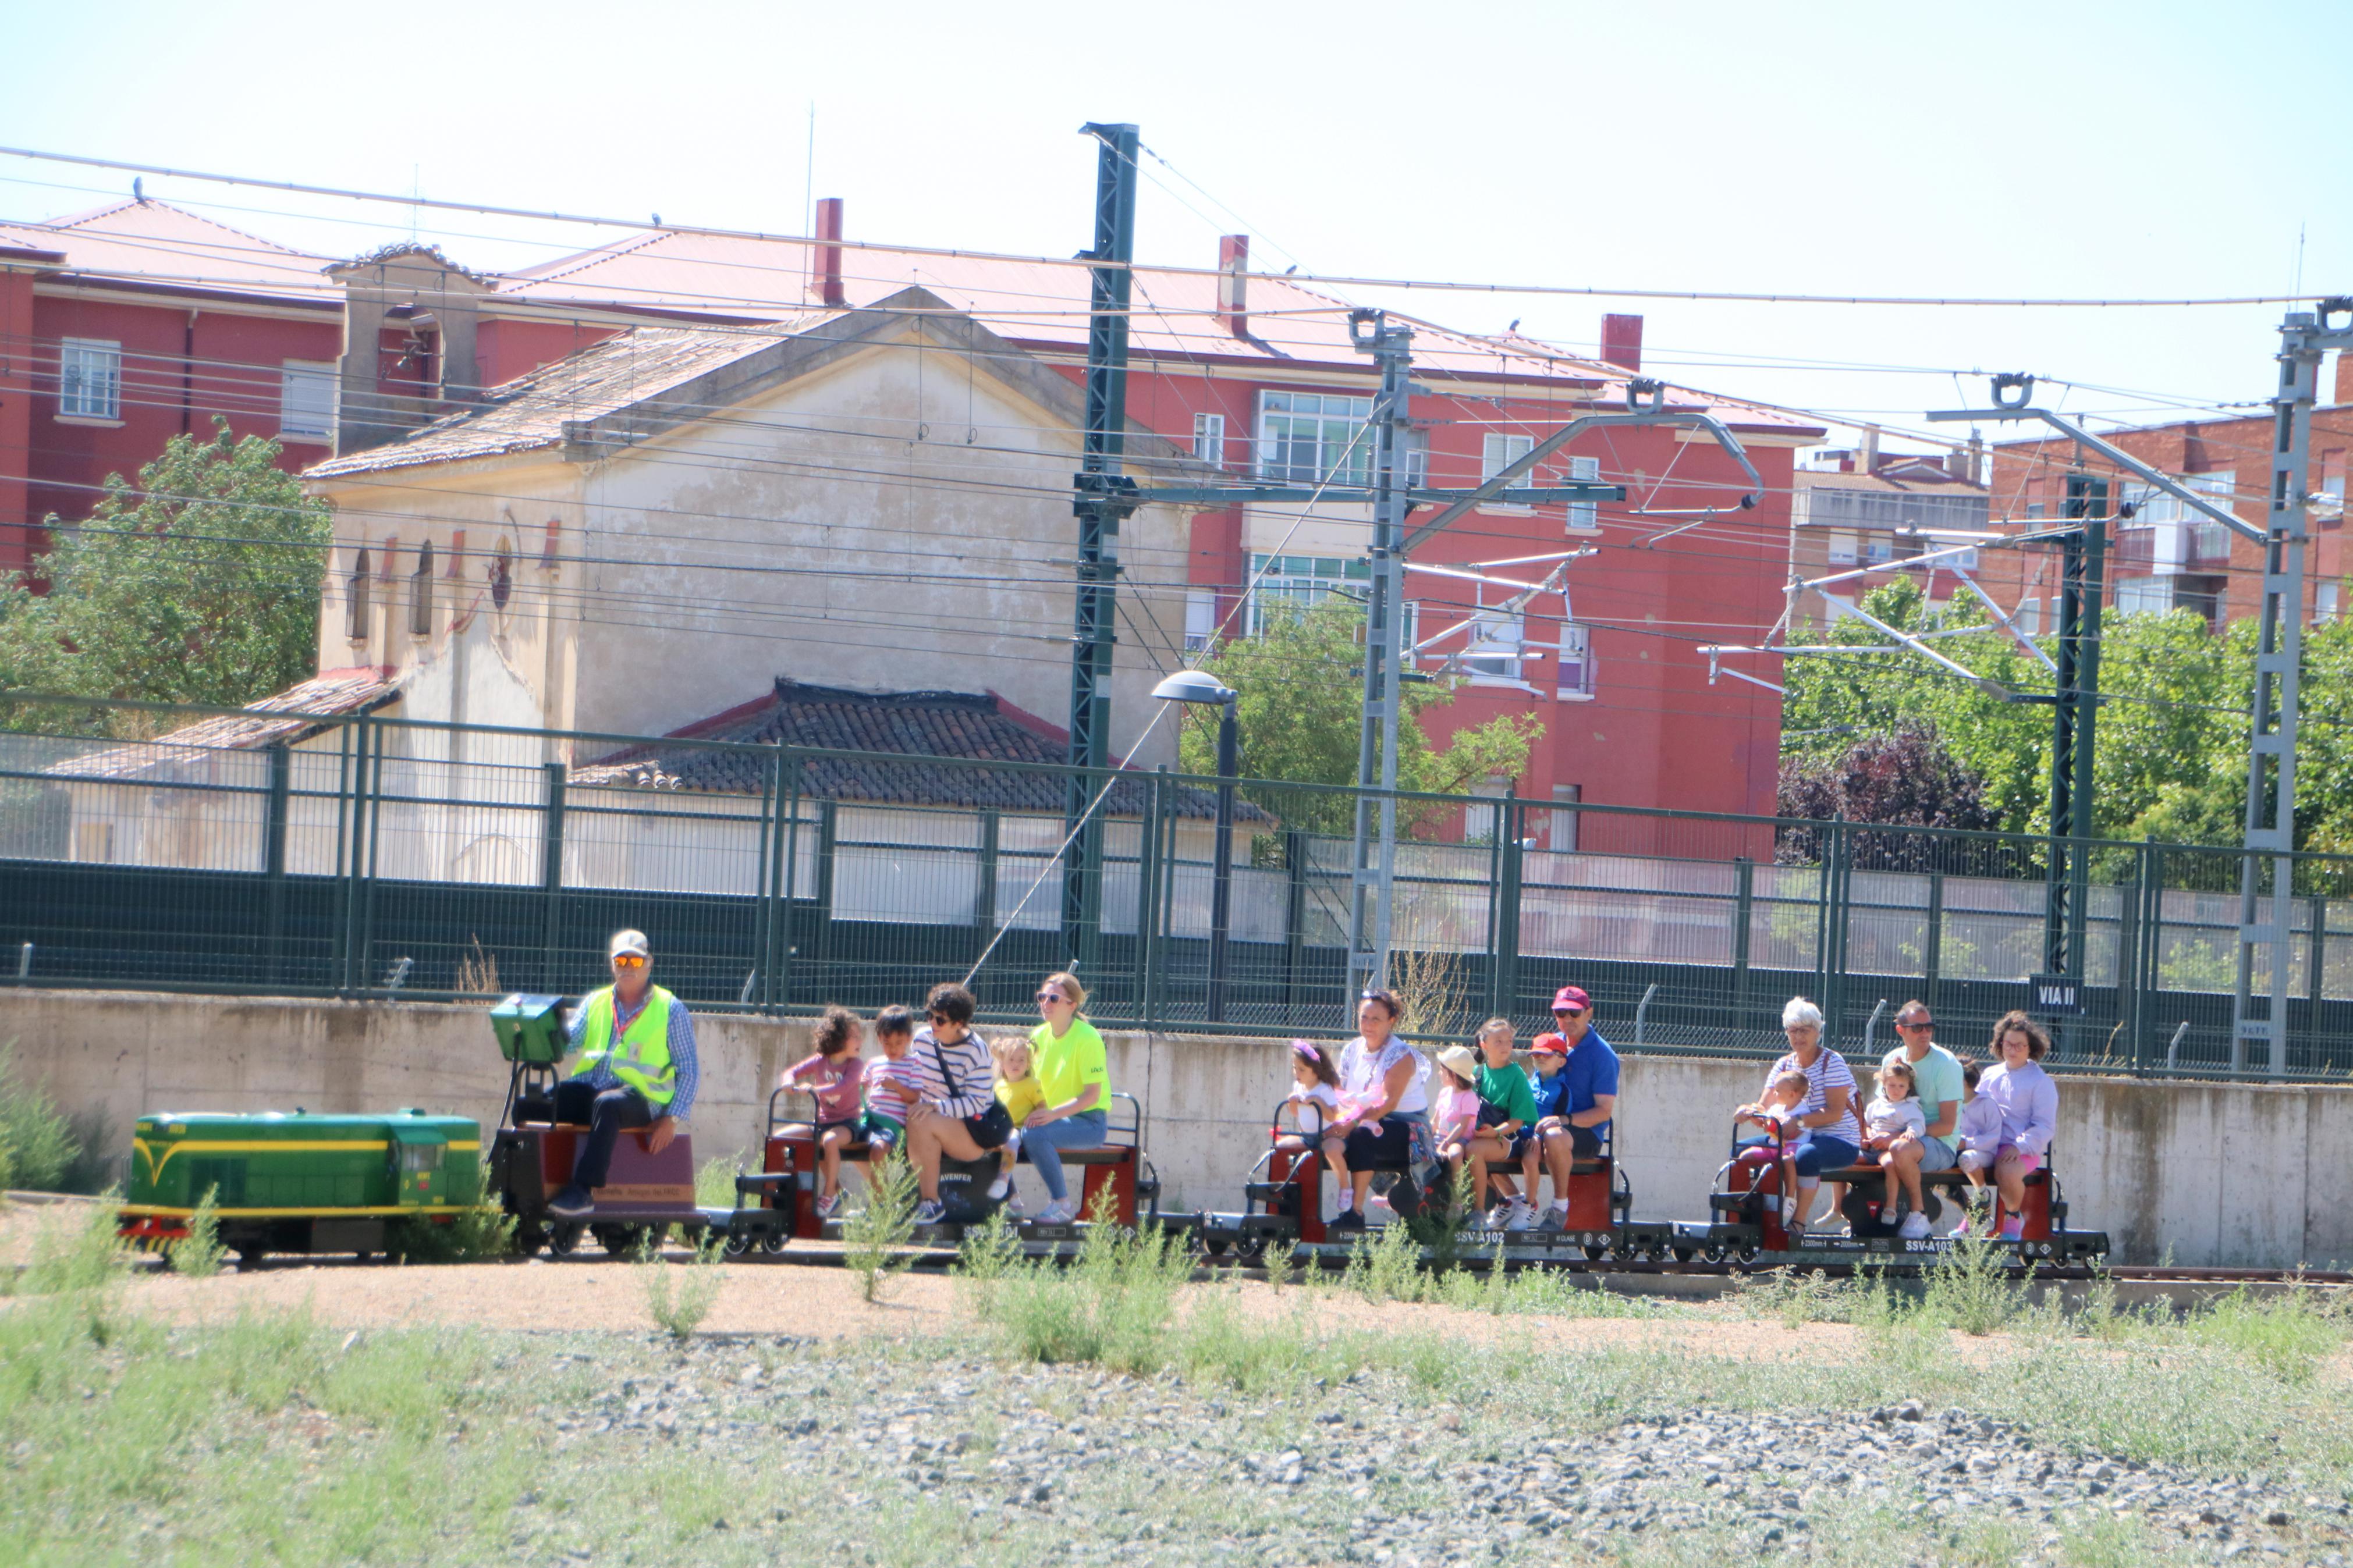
[2287, 1335]
[714, 1181]
[198, 1254]
[1971, 1287]
[1112, 1306]
[1385, 1265]
[874, 1238]
[475, 1234]
[680, 1311]
[990, 1252]
[38, 1148]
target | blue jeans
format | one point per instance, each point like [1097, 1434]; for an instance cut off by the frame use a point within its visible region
[1816, 1153]
[1044, 1145]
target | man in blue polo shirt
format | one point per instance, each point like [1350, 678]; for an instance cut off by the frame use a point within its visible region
[1587, 1101]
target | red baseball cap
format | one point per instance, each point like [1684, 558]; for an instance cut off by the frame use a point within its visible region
[1571, 997]
[1547, 1045]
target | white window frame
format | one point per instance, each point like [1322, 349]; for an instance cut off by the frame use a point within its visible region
[1498, 451]
[1200, 619]
[1416, 459]
[1336, 421]
[90, 379]
[2028, 616]
[1209, 439]
[1584, 516]
[2144, 596]
[2325, 608]
[1484, 823]
[294, 373]
[1494, 655]
[1844, 549]
[1301, 579]
[1572, 671]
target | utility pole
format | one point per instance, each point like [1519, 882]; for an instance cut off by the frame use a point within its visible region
[1373, 863]
[1105, 495]
[2263, 935]
[2075, 706]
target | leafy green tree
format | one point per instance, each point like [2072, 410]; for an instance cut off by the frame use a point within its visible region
[199, 583]
[1302, 687]
[2172, 743]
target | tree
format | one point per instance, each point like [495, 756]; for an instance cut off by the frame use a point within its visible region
[1299, 712]
[1906, 778]
[199, 584]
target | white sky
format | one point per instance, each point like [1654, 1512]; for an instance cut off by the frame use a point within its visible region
[2150, 149]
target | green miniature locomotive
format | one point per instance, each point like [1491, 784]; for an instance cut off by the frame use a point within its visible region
[299, 1182]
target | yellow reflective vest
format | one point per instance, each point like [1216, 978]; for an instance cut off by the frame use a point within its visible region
[641, 1057]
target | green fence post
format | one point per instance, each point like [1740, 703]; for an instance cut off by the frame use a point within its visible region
[1744, 924]
[984, 903]
[1504, 911]
[273, 854]
[763, 903]
[354, 966]
[364, 950]
[821, 940]
[551, 879]
[1932, 943]
[782, 944]
[1294, 921]
[2313, 967]
[1147, 897]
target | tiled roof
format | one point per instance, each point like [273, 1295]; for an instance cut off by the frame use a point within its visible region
[339, 691]
[533, 409]
[954, 724]
[158, 243]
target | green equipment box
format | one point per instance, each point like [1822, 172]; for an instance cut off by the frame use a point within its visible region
[531, 1029]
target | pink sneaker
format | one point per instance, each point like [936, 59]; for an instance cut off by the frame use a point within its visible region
[2013, 1230]
[1963, 1229]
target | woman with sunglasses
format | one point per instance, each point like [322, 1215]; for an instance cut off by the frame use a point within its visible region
[1070, 1068]
[958, 1116]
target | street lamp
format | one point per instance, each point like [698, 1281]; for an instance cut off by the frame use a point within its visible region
[1198, 686]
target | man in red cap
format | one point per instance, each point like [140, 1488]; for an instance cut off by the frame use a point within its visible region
[1588, 1098]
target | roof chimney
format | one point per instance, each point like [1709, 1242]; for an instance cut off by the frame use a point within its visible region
[1621, 342]
[1957, 465]
[825, 259]
[1866, 458]
[1233, 282]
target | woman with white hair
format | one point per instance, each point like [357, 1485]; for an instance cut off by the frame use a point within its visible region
[1832, 1136]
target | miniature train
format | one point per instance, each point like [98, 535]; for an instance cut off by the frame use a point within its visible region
[307, 1184]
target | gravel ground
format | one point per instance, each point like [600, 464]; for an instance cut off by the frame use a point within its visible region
[1368, 1471]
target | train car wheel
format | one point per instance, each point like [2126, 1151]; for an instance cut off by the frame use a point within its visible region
[772, 1245]
[1683, 1254]
[251, 1254]
[1215, 1246]
[1251, 1250]
[564, 1240]
[1746, 1255]
[736, 1246]
[1596, 1253]
[1710, 1253]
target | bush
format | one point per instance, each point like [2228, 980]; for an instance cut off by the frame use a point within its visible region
[681, 1311]
[198, 1254]
[714, 1181]
[873, 1238]
[475, 1234]
[1112, 1309]
[1385, 1265]
[39, 1150]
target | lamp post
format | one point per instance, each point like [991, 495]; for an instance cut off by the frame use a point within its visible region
[1197, 686]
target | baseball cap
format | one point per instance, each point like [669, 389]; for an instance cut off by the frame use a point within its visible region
[626, 941]
[1547, 1045]
[1459, 1060]
[1570, 997]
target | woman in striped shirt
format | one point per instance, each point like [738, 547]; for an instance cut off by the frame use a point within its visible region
[959, 1117]
[1831, 1134]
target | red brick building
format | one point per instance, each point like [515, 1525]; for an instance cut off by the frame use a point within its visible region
[2166, 556]
[1256, 374]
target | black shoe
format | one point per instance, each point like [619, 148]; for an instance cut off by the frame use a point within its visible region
[1347, 1219]
[572, 1202]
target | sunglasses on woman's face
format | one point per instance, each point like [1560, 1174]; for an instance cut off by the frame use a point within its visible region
[1050, 996]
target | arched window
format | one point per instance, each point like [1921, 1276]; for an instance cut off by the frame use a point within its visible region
[355, 624]
[420, 593]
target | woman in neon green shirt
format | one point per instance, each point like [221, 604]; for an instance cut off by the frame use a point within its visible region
[1071, 1069]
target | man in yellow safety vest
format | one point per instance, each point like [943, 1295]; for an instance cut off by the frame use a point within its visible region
[637, 1069]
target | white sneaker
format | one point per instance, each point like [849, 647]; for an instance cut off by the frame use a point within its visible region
[999, 1188]
[1059, 1213]
[1789, 1214]
[1499, 1216]
[828, 1208]
[1914, 1226]
[1012, 1206]
[1522, 1216]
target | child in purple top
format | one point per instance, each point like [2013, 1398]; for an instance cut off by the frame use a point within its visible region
[834, 1078]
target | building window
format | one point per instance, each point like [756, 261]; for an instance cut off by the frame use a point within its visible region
[2034, 511]
[1209, 439]
[1498, 639]
[2028, 616]
[1575, 676]
[90, 379]
[1585, 514]
[2144, 596]
[1302, 581]
[2324, 604]
[1307, 438]
[1499, 450]
[1200, 619]
[1416, 459]
[2328, 503]
[356, 621]
[1484, 824]
[1844, 547]
[420, 593]
[1565, 799]
[306, 400]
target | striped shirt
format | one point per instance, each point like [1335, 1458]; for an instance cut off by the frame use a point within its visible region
[681, 1053]
[1830, 1072]
[893, 1085]
[967, 1062]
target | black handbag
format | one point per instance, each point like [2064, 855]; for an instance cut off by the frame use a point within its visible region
[993, 1126]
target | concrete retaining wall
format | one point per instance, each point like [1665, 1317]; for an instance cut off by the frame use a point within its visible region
[2221, 1174]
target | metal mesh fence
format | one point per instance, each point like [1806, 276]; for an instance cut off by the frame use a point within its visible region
[374, 857]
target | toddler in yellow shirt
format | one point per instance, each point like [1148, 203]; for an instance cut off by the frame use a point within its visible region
[1019, 1090]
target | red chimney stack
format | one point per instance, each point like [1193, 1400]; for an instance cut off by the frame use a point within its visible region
[1621, 342]
[825, 259]
[1233, 280]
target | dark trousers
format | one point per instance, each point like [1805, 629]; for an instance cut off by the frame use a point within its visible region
[606, 1112]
